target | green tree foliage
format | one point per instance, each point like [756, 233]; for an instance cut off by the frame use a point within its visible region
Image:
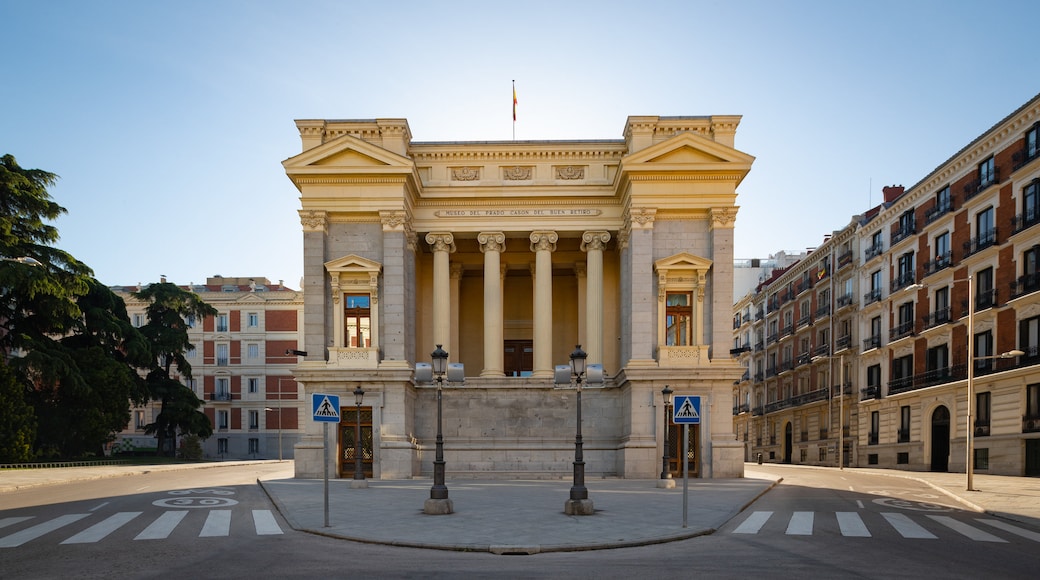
[17, 423]
[166, 333]
[75, 350]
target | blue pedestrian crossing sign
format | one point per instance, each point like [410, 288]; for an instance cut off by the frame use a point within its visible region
[325, 407]
[686, 410]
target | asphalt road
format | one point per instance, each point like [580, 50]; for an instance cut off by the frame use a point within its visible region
[223, 526]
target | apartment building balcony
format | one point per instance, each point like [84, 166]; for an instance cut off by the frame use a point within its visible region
[758, 412]
[941, 262]
[844, 301]
[937, 211]
[872, 296]
[903, 436]
[220, 397]
[981, 428]
[770, 372]
[1025, 285]
[983, 299]
[903, 280]
[977, 186]
[844, 259]
[222, 361]
[872, 342]
[805, 320]
[785, 366]
[803, 359]
[843, 343]
[872, 438]
[760, 315]
[980, 242]
[871, 392]
[1025, 220]
[873, 252]
[937, 318]
[902, 330]
[786, 331]
[810, 397]
[903, 233]
[772, 338]
[823, 311]
[759, 377]
[739, 409]
[1031, 423]
[822, 350]
[760, 346]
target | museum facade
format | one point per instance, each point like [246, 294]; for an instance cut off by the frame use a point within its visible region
[507, 255]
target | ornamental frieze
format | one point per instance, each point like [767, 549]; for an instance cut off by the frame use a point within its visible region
[569, 172]
[517, 173]
[465, 173]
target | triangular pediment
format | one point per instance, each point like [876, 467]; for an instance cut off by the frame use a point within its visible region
[685, 149]
[346, 152]
[251, 297]
[353, 263]
[683, 261]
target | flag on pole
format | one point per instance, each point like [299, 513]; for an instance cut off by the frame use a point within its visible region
[514, 101]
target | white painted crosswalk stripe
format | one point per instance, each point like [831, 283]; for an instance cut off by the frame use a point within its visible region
[265, 523]
[103, 528]
[218, 523]
[801, 524]
[11, 521]
[754, 523]
[852, 525]
[907, 528]
[1012, 529]
[966, 530]
[163, 526]
[28, 534]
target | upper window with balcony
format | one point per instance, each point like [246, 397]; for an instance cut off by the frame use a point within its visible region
[1031, 147]
[1030, 215]
[905, 274]
[877, 246]
[1029, 281]
[943, 205]
[987, 173]
[906, 228]
[222, 323]
[985, 232]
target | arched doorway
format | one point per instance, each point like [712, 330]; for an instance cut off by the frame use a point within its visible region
[941, 439]
[788, 441]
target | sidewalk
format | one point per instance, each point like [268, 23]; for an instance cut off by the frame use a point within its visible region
[517, 516]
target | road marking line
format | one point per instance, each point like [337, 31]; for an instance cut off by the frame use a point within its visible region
[265, 523]
[852, 525]
[966, 530]
[218, 523]
[1013, 529]
[801, 524]
[859, 503]
[163, 526]
[96, 508]
[906, 527]
[754, 523]
[11, 521]
[102, 528]
[15, 540]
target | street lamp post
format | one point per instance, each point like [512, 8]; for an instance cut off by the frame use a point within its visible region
[579, 503]
[666, 480]
[439, 502]
[359, 473]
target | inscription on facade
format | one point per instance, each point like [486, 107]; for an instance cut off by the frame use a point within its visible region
[516, 212]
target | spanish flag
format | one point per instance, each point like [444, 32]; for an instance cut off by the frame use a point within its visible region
[514, 101]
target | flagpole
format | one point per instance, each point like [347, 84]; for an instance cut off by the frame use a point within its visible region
[514, 109]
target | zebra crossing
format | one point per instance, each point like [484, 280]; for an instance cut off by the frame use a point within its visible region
[852, 524]
[217, 523]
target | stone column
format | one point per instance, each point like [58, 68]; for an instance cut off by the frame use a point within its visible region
[492, 244]
[543, 244]
[315, 229]
[393, 342]
[456, 287]
[442, 244]
[592, 243]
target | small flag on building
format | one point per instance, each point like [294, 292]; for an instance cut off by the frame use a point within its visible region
[514, 101]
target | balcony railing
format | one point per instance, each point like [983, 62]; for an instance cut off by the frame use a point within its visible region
[903, 280]
[843, 342]
[805, 320]
[939, 210]
[940, 316]
[903, 233]
[822, 350]
[845, 300]
[902, 330]
[983, 299]
[1031, 423]
[220, 396]
[976, 186]
[872, 296]
[760, 346]
[872, 438]
[982, 428]
[872, 342]
[871, 392]
[980, 242]
[903, 436]
[844, 259]
[941, 262]
[785, 366]
[1023, 156]
[873, 252]
[760, 315]
[824, 310]
[1025, 220]
[222, 361]
[1025, 285]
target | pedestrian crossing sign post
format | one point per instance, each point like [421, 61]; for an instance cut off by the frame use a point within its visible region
[325, 407]
[687, 410]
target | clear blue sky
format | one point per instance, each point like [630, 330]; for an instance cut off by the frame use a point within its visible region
[168, 121]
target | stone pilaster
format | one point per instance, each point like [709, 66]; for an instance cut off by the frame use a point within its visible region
[593, 244]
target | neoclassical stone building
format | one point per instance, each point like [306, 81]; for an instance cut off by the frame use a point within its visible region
[508, 254]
